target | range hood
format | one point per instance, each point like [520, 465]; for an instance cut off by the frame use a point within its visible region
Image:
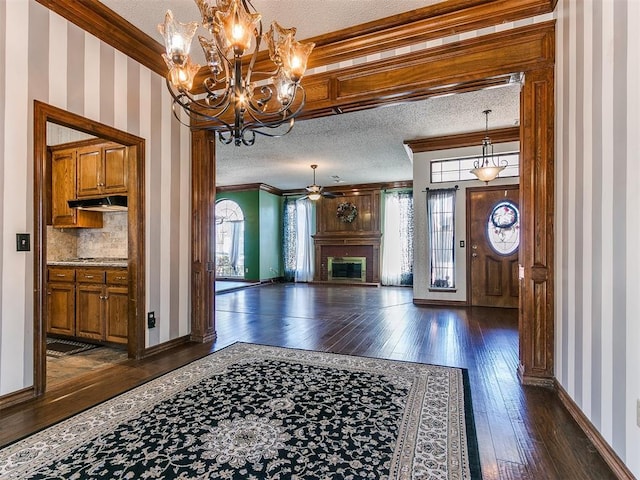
[111, 203]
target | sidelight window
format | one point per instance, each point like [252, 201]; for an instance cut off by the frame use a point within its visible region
[441, 220]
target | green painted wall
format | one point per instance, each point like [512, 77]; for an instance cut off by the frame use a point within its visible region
[262, 232]
[270, 236]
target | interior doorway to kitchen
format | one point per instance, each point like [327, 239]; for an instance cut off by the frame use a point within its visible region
[94, 298]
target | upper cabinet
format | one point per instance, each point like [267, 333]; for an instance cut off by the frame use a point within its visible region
[102, 170]
[63, 188]
[85, 169]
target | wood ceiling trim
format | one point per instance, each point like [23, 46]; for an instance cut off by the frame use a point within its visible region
[453, 68]
[249, 187]
[436, 21]
[417, 26]
[359, 188]
[102, 22]
[459, 67]
[470, 139]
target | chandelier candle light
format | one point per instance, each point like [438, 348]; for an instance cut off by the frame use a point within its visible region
[486, 168]
[229, 102]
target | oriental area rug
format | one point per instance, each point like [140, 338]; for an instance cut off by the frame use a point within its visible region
[257, 412]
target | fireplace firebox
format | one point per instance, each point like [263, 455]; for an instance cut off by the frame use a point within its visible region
[352, 269]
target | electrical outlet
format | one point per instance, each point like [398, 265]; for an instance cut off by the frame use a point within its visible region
[151, 319]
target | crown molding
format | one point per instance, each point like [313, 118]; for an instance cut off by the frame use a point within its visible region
[95, 18]
[447, 18]
[469, 139]
[443, 19]
[249, 187]
[356, 188]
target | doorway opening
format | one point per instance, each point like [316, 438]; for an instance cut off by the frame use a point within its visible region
[103, 289]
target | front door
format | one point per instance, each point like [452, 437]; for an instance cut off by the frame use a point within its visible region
[493, 226]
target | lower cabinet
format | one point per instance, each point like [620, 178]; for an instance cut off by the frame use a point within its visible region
[117, 306]
[101, 305]
[90, 311]
[61, 301]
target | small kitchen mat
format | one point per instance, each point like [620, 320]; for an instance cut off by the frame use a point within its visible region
[56, 347]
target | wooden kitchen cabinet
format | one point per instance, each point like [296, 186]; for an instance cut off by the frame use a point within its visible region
[117, 306]
[102, 297]
[61, 301]
[63, 188]
[90, 303]
[102, 170]
[89, 311]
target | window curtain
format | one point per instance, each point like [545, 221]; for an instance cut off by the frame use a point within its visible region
[397, 249]
[234, 251]
[304, 248]
[289, 239]
[441, 220]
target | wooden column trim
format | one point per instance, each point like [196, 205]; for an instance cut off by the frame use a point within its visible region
[203, 199]
[536, 248]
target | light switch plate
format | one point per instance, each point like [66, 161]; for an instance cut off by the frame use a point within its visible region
[23, 242]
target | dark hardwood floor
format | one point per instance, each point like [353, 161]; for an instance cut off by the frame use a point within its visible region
[523, 432]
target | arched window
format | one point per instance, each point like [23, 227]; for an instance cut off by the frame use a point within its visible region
[229, 240]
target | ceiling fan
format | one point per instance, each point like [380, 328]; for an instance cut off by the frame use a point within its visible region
[315, 191]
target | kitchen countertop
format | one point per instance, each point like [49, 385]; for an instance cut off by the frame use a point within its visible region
[89, 262]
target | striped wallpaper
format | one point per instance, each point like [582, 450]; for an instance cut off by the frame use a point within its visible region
[597, 228]
[70, 69]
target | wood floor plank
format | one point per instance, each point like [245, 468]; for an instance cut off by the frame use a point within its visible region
[523, 432]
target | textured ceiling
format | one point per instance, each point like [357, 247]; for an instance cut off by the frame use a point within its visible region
[358, 147]
[362, 147]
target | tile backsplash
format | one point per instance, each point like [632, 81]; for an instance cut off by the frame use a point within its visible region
[62, 244]
[110, 241]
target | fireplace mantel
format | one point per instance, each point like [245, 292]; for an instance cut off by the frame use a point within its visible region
[357, 238]
[367, 246]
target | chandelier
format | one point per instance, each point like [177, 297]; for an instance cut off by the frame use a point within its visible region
[228, 101]
[486, 168]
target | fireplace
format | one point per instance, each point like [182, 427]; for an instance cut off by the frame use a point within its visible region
[352, 269]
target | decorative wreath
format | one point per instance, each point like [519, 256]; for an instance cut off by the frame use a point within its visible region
[347, 212]
[504, 215]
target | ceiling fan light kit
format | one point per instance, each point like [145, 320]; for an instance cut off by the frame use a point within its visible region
[231, 104]
[315, 191]
[486, 168]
